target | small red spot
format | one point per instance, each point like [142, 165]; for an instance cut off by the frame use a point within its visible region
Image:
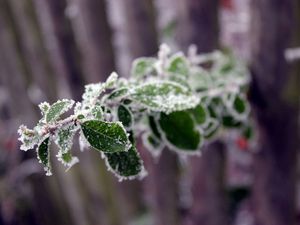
[227, 4]
[242, 143]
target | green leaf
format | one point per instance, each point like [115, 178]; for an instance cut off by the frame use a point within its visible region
[57, 109]
[142, 66]
[164, 96]
[200, 114]
[248, 131]
[28, 137]
[211, 128]
[152, 143]
[43, 154]
[239, 108]
[180, 131]
[153, 127]
[230, 122]
[228, 63]
[64, 138]
[178, 65]
[106, 136]
[199, 80]
[180, 80]
[97, 112]
[227, 67]
[240, 105]
[125, 116]
[118, 93]
[93, 91]
[67, 159]
[125, 164]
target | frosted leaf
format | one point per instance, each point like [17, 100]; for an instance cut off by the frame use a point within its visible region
[152, 144]
[228, 99]
[44, 107]
[43, 155]
[28, 137]
[180, 80]
[57, 109]
[97, 112]
[178, 64]
[204, 58]
[106, 136]
[179, 130]
[238, 107]
[118, 94]
[241, 107]
[125, 116]
[125, 165]
[199, 79]
[64, 140]
[67, 159]
[122, 82]
[229, 121]
[111, 80]
[77, 108]
[164, 96]
[93, 91]
[211, 128]
[152, 121]
[142, 66]
[200, 114]
[64, 137]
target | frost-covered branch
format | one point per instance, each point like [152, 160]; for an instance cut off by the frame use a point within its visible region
[173, 100]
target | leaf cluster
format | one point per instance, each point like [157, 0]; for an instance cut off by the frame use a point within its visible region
[170, 100]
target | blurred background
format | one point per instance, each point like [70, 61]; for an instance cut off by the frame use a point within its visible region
[50, 48]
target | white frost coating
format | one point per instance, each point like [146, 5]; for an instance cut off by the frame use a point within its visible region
[111, 80]
[163, 53]
[115, 117]
[44, 107]
[143, 173]
[28, 137]
[169, 102]
[177, 55]
[77, 108]
[137, 61]
[64, 140]
[208, 130]
[128, 144]
[228, 99]
[192, 54]
[83, 143]
[156, 152]
[93, 91]
[68, 165]
[230, 107]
